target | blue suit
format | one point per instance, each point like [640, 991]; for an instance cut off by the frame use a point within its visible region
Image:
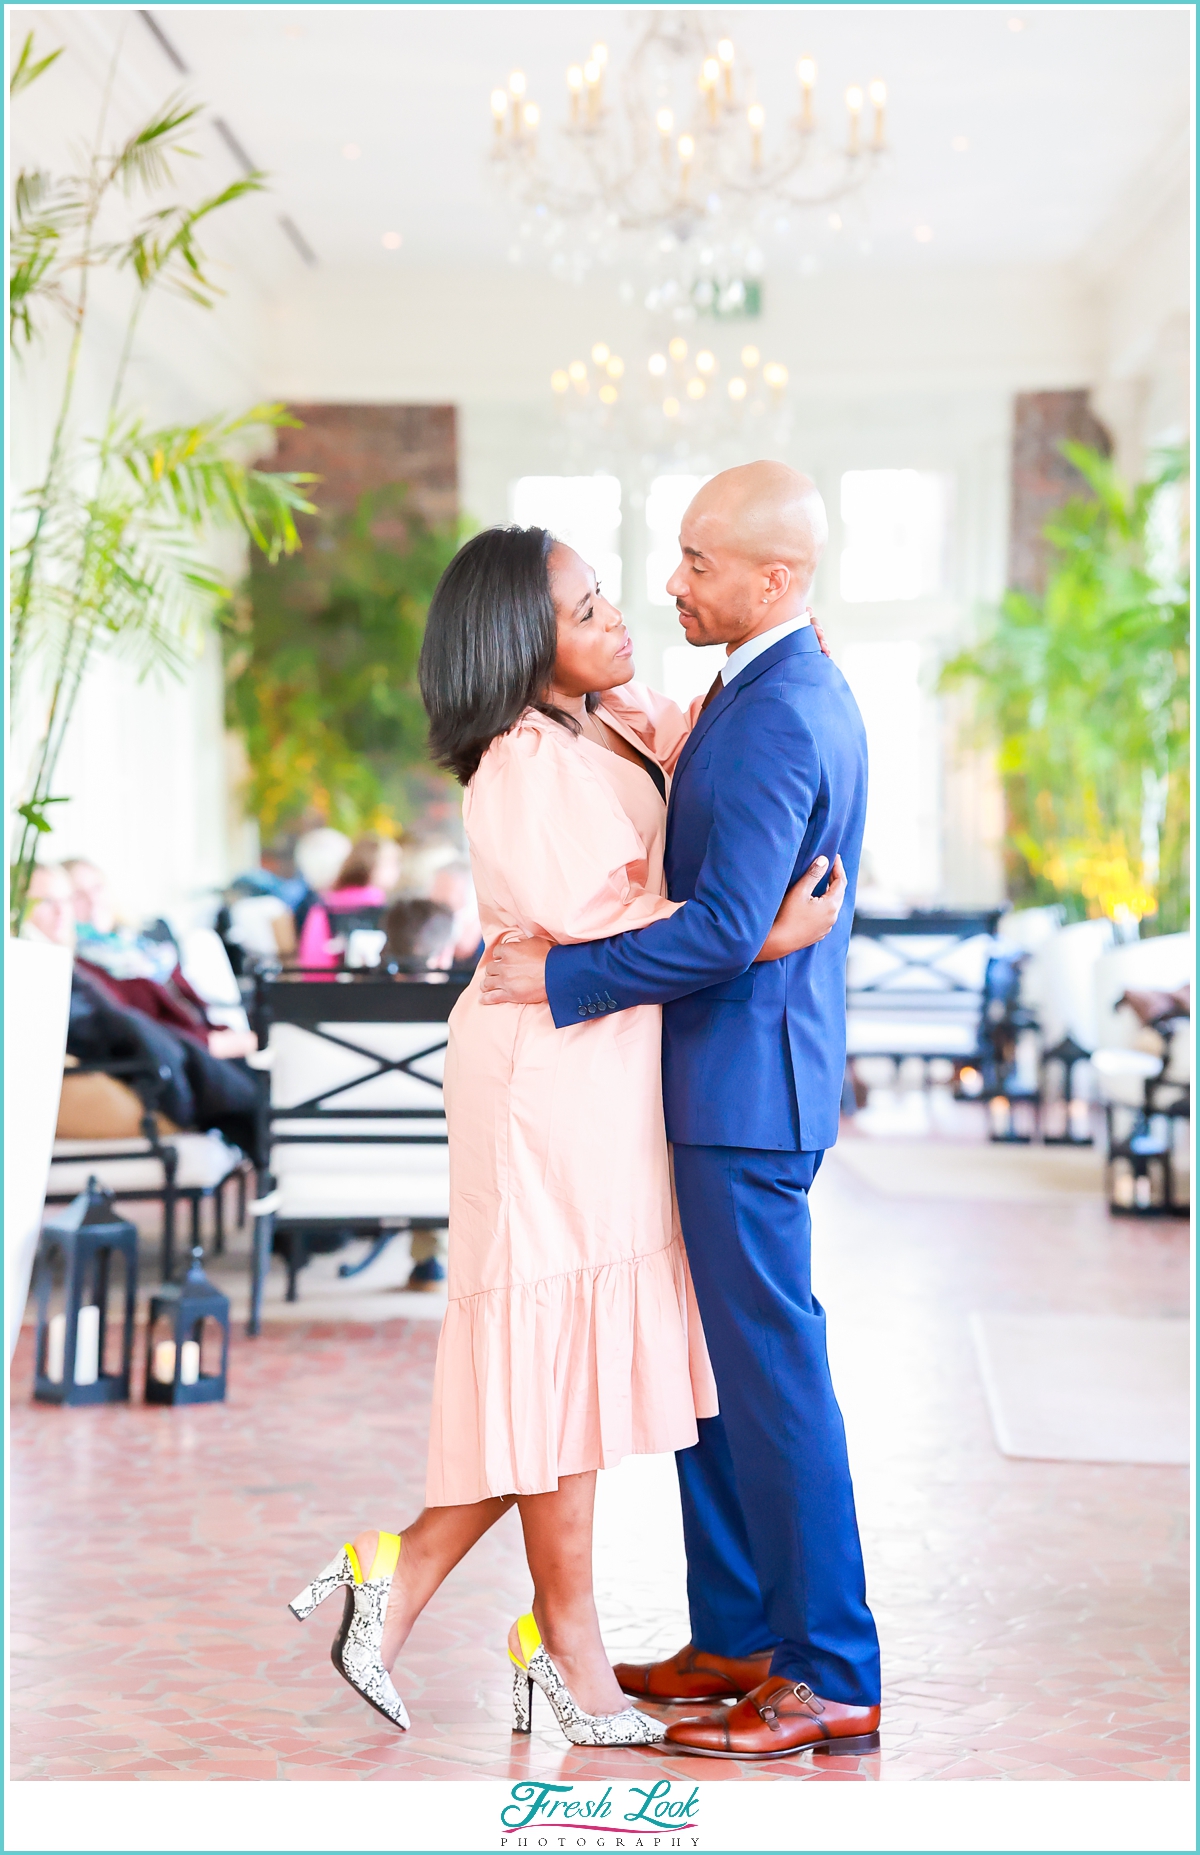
[773, 774]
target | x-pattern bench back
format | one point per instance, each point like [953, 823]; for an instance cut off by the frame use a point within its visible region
[948, 930]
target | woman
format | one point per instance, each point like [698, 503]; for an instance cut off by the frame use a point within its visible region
[369, 874]
[571, 1335]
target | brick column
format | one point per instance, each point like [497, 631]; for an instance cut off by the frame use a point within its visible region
[1042, 478]
[358, 448]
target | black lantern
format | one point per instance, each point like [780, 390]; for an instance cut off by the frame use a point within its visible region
[1069, 1107]
[187, 1345]
[72, 1342]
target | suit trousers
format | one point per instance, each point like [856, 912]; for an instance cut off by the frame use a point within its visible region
[774, 1560]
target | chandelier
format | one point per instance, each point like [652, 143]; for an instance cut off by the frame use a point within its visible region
[675, 148]
[680, 401]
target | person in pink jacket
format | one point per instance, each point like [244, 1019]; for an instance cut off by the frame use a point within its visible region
[366, 879]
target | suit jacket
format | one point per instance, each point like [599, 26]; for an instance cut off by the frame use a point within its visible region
[773, 774]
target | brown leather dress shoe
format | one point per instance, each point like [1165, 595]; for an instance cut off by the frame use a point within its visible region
[777, 1718]
[692, 1675]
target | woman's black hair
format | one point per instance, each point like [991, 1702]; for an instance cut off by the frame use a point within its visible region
[490, 642]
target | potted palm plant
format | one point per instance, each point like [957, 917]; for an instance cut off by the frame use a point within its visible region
[1084, 692]
[114, 543]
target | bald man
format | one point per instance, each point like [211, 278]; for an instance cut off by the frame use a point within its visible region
[773, 774]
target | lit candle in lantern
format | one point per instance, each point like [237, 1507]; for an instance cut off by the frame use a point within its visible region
[87, 1346]
[1001, 1117]
[878, 96]
[56, 1347]
[854, 103]
[575, 88]
[164, 1362]
[756, 116]
[806, 71]
[1079, 1119]
[189, 1363]
[725, 54]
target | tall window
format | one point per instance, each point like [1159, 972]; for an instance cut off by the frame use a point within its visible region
[687, 671]
[895, 526]
[668, 498]
[585, 512]
[901, 852]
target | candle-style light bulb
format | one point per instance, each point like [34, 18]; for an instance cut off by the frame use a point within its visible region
[878, 95]
[499, 109]
[591, 77]
[756, 116]
[600, 352]
[687, 149]
[677, 348]
[574, 88]
[664, 122]
[560, 380]
[750, 357]
[516, 91]
[806, 71]
[725, 54]
[854, 103]
[599, 58]
[737, 388]
[708, 83]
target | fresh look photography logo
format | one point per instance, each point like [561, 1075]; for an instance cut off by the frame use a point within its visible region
[544, 1815]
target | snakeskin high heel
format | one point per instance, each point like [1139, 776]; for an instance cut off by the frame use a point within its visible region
[355, 1651]
[532, 1664]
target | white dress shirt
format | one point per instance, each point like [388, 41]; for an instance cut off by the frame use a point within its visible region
[754, 647]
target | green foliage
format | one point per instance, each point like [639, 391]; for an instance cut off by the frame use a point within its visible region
[114, 541]
[321, 660]
[1086, 693]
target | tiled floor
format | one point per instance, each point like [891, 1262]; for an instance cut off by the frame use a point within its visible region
[1033, 1615]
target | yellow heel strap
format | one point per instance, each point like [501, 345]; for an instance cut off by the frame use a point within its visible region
[387, 1555]
[355, 1567]
[530, 1639]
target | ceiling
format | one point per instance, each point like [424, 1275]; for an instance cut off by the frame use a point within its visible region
[1060, 110]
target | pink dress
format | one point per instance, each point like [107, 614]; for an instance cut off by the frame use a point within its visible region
[571, 1336]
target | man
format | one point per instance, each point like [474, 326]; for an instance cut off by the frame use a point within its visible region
[773, 774]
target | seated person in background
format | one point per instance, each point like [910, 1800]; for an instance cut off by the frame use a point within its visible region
[453, 887]
[420, 936]
[139, 971]
[368, 876]
[194, 1087]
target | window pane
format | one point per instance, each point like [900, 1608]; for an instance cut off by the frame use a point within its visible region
[900, 845]
[895, 527]
[585, 512]
[665, 504]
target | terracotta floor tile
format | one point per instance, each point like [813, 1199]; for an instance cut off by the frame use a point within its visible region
[1033, 1616]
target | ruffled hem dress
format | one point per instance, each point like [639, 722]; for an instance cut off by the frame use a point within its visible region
[571, 1337]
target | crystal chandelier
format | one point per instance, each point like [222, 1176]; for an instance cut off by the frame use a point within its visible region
[681, 401]
[675, 148]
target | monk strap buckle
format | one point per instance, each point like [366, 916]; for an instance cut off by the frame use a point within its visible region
[804, 1693]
